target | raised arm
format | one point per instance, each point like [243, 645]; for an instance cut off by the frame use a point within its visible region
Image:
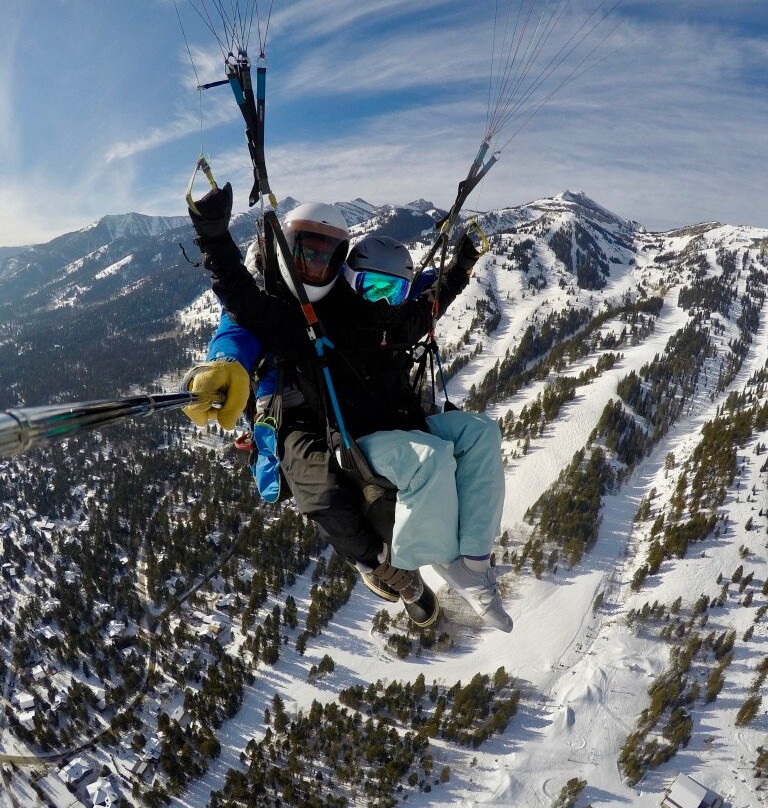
[411, 320]
[276, 322]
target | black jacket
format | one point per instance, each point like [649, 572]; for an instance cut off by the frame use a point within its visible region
[369, 363]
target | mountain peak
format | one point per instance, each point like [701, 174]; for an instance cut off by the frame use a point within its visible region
[578, 203]
[137, 224]
[583, 201]
[424, 205]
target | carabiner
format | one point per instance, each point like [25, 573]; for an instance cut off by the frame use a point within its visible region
[202, 165]
[472, 225]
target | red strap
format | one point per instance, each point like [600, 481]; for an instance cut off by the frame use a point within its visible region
[244, 442]
[309, 313]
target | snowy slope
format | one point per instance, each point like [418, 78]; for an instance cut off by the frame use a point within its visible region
[584, 670]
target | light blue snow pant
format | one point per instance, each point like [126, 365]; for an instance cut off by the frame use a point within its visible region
[450, 484]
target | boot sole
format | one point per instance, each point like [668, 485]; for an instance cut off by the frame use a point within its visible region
[385, 594]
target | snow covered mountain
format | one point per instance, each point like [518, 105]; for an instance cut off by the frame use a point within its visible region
[32, 261]
[627, 370]
[105, 291]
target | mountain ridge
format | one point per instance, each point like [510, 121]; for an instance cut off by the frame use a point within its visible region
[120, 266]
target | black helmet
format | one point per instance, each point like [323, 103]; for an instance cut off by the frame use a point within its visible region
[380, 268]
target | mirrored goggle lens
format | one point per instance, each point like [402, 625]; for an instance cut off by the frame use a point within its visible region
[378, 286]
[313, 256]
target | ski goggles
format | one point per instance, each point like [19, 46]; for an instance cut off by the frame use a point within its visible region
[319, 250]
[317, 258]
[380, 286]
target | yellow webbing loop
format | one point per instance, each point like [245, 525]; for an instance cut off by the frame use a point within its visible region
[202, 165]
[472, 225]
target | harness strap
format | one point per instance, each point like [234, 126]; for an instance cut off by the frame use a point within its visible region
[315, 328]
[252, 108]
[432, 355]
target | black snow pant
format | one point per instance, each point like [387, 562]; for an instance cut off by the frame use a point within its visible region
[323, 491]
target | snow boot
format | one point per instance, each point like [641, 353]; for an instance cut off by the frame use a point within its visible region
[379, 588]
[479, 590]
[425, 610]
[407, 583]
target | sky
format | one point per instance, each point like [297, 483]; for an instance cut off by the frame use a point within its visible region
[656, 110]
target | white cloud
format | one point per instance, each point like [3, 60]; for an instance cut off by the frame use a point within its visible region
[176, 129]
[415, 60]
[312, 21]
[668, 126]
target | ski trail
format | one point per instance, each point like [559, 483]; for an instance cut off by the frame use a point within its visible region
[599, 700]
[569, 433]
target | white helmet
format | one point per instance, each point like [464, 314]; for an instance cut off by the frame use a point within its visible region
[318, 238]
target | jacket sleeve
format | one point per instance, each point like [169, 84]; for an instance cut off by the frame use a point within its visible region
[411, 320]
[277, 324]
[232, 341]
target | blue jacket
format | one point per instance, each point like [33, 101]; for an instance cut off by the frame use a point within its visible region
[232, 341]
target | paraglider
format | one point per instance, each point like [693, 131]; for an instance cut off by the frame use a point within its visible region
[521, 39]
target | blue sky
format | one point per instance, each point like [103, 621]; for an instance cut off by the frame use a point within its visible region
[384, 100]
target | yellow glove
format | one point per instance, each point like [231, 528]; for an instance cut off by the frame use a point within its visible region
[227, 378]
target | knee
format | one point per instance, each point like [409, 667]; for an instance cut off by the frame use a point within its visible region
[490, 432]
[483, 433]
[434, 462]
[438, 454]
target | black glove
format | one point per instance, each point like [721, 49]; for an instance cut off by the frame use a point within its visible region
[466, 254]
[214, 210]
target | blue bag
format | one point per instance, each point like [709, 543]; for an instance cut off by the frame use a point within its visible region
[264, 462]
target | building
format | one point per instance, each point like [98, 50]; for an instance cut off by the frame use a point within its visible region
[27, 719]
[225, 601]
[24, 701]
[75, 770]
[213, 629]
[102, 793]
[139, 768]
[116, 629]
[179, 715]
[10, 571]
[152, 749]
[685, 792]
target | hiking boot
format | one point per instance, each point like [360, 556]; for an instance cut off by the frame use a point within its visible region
[479, 590]
[407, 583]
[424, 611]
[376, 585]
